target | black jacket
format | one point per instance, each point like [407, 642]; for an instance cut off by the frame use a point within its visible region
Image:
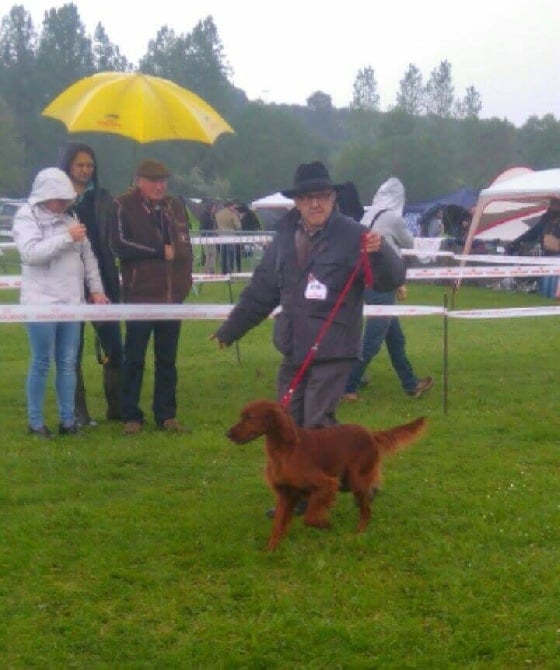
[279, 281]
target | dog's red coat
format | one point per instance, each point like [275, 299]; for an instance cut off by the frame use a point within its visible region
[312, 463]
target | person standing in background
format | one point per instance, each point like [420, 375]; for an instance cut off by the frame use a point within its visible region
[208, 229]
[348, 201]
[385, 217]
[95, 208]
[228, 223]
[151, 239]
[57, 262]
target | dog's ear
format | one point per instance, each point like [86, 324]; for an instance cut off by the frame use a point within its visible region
[287, 430]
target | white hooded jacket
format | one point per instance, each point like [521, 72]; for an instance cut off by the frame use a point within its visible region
[390, 224]
[54, 267]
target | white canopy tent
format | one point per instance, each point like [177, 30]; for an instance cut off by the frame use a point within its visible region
[273, 200]
[271, 208]
[525, 195]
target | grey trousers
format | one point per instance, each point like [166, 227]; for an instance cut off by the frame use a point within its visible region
[317, 395]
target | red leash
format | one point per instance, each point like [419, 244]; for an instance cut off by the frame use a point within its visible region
[363, 260]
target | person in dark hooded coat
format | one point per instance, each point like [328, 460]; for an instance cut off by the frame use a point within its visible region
[348, 201]
[95, 208]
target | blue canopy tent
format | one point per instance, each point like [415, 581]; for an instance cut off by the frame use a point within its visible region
[456, 207]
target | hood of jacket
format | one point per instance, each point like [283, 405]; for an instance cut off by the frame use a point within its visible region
[390, 196]
[51, 184]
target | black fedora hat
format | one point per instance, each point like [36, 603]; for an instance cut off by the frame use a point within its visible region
[310, 177]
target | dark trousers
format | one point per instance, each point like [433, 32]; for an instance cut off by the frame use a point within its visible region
[166, 340]
[316, 397]
[227, 258]
[109, 334]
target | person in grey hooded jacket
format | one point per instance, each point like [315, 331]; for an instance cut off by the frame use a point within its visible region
[385, 216]
[57, 262]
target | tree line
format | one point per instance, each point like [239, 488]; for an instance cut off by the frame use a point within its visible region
[431, 139]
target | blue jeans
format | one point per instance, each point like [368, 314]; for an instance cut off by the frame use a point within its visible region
[381, 329]
[166, 340]
[548, 285]
[58, 340]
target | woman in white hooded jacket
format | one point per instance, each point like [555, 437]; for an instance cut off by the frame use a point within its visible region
[56, 262]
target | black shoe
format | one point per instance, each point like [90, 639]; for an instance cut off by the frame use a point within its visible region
[68, 430]
[43, 431]
[299, 509]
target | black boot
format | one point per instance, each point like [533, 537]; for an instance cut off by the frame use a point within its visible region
[80, 406]
[112, 388]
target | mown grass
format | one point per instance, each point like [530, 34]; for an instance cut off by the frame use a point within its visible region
[148, 552]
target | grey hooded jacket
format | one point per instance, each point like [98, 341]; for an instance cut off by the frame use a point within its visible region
[54, 268]
[387, 213]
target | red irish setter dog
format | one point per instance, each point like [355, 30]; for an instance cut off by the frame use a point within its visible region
[312, 463]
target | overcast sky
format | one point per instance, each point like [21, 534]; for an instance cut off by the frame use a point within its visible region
[284, 51]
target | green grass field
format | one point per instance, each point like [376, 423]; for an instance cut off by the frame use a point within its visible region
[148, 551]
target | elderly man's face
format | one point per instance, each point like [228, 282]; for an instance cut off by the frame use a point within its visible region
[315, 207]
[152, 189]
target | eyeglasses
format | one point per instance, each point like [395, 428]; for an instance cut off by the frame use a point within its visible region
[320, 196]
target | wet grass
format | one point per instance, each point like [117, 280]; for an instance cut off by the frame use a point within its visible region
[148, 552]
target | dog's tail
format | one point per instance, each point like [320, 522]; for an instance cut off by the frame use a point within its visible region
[392, 439]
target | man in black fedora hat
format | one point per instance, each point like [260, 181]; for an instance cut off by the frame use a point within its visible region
[304, 270]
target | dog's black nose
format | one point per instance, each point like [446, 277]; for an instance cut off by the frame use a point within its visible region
[228, 433]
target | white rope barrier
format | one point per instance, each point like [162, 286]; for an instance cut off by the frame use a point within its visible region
[144, 312]
[505, 313]
[482, 272]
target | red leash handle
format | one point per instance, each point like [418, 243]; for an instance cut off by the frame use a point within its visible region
[368, 280]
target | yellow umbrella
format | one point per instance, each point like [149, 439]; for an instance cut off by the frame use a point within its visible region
[136, 105]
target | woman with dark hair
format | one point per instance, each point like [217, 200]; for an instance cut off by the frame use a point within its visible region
[95, 208]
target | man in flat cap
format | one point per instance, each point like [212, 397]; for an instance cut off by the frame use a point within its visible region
[151, 240]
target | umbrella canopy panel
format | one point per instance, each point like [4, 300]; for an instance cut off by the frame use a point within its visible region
[139, 106]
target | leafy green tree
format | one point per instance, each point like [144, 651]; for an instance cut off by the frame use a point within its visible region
[106, 55]
[268, 144]
[439, 91]
[18, 72]
[164, 54]
[471, 104]
[64, 52]
[320, 102]
[411, 93]
[12, 173]
[539, 142]
[195, 61]
[365, 95]
[481, 149]
[197, 185]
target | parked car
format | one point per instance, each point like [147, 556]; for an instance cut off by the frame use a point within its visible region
[8, 207]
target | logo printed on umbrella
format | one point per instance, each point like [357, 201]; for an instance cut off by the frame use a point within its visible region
[111, 121]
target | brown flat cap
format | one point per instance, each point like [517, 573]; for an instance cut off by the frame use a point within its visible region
[151, 169]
